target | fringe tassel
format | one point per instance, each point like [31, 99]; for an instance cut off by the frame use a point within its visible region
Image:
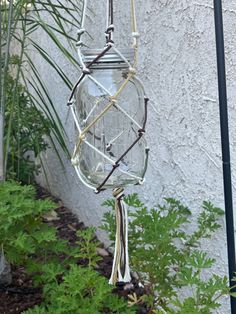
[120, 268]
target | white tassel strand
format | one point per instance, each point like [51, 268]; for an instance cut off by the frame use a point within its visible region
[121, 254]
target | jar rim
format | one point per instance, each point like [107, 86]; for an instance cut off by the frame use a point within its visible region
[88, 55]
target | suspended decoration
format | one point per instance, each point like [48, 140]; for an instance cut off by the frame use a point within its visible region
[109, 107]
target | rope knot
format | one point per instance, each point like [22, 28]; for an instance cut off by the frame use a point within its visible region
[79, 43]
[118, 193]
[97, 191]
[86, 71]
[110, 43]
[141, 132]
[110, 28]
[80, 31]
[136, 34]
[82, 137]
[74, 162]
[141, 182]
[132, 71]
[113, 99]
[69, 103]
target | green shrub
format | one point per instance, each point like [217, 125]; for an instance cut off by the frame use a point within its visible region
[82, 291]
[25, 132]
[169, 258]
[87, 247]
[26, 239]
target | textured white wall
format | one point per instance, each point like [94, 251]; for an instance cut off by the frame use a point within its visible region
[177, 62]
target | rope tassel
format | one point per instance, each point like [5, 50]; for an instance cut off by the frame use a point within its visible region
[120, 268]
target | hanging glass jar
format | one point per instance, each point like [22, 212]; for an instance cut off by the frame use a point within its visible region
[105, 143]
[109, 108]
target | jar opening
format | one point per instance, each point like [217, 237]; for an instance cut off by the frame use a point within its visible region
[110, 60]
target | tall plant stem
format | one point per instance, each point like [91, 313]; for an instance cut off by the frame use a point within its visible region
[3, 74]
[14, 105]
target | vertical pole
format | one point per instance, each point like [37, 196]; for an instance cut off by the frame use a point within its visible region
[219, 31]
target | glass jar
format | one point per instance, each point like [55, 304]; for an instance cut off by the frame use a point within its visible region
[117, 129]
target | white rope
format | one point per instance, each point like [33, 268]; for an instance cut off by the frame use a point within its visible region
[135, 33]
[91, 111]
[83, 181]
[85, 4]
[116, 105]
[122, 56]
[100, 153]
[115, 265]
[127, 115]
[99, 84]
[114, 139]
[119, 245]
[82, 64]
[75, 119]
[129, 174]
[127, 277]
[107, 20]
[111, 282]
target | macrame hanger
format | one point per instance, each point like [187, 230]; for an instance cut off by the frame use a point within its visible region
[120, 268]
[113, 98]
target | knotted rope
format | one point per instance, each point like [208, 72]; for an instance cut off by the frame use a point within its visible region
[120, 268]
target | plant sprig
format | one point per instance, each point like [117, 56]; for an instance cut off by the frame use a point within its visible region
[169, 258]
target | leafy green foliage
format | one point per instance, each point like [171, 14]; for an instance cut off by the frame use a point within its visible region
[87, 247]
[169, 257]
[82, 291]
[20, 20]
[25, 132]
[26, 239]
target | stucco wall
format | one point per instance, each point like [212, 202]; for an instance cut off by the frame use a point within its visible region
[177, 62]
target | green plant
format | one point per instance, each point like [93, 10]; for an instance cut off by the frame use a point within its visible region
[26, 239]
[169, 258]
[21, 24]
[26, 135]
[82, 291]
[87, 247]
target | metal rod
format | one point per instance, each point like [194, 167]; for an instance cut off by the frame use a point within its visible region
[220, 51]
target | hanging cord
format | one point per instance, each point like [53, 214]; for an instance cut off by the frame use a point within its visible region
[135, 32]
[110, 22]
[120, 268]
